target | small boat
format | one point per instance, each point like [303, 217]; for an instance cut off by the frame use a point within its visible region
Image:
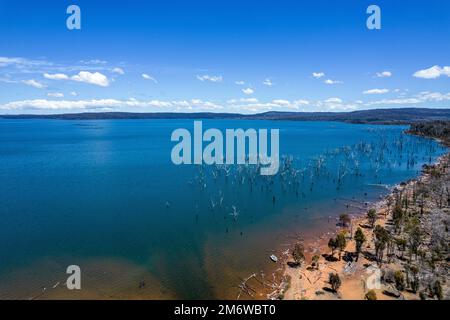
[273, 258]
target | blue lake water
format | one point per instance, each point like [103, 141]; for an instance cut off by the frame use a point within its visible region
[105, 195]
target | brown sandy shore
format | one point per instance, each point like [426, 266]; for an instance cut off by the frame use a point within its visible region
[406, 270]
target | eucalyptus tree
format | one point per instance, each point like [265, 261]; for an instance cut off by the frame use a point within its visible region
[372, 217]
[397, 217]
[332, 244]
[335, 281]
[298, 253]
[414, 236]
[382, 238]
[341, 242]
[359, 238]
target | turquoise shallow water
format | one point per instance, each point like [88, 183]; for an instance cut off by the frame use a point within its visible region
[77, 190]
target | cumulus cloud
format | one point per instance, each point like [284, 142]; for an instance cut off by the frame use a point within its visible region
[383, 74]
[56, 76]
[376, 91]
[318, 75]
[433, 72]
[248, 91]
[239, 83]
[268, 82]
[95, 78]
[34, 83]
[149, 77]
[209, 78]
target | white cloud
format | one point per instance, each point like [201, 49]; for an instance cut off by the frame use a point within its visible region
[94, 61]
[422, 97]
[209, 78]
[239, 83]
[112, 104]
[433, 72]
[5, 61]
[334, 104]
[248, 91]
[395, 101]
[55, 94]
[376, 91]
[281, 102]
[245, 100]
[318, 75]
[208, 105]
[333, 100]
[95, 78]
[301, 102]
[383, 74]
[73, 93]
[118, 71]
[331, 104]
[433, 96]
[44, 104]
[248, 100]
[268, 82]
[329, 81]
[149, 77]
[244, 105]
[34, 83]
[21, 62]
[56, 76]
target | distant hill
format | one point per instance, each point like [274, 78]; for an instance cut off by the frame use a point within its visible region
[380, 116]
[435, 129]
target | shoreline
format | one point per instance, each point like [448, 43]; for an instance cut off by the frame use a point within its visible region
[308, 282]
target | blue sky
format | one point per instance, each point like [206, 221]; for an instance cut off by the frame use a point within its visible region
[223, 56]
